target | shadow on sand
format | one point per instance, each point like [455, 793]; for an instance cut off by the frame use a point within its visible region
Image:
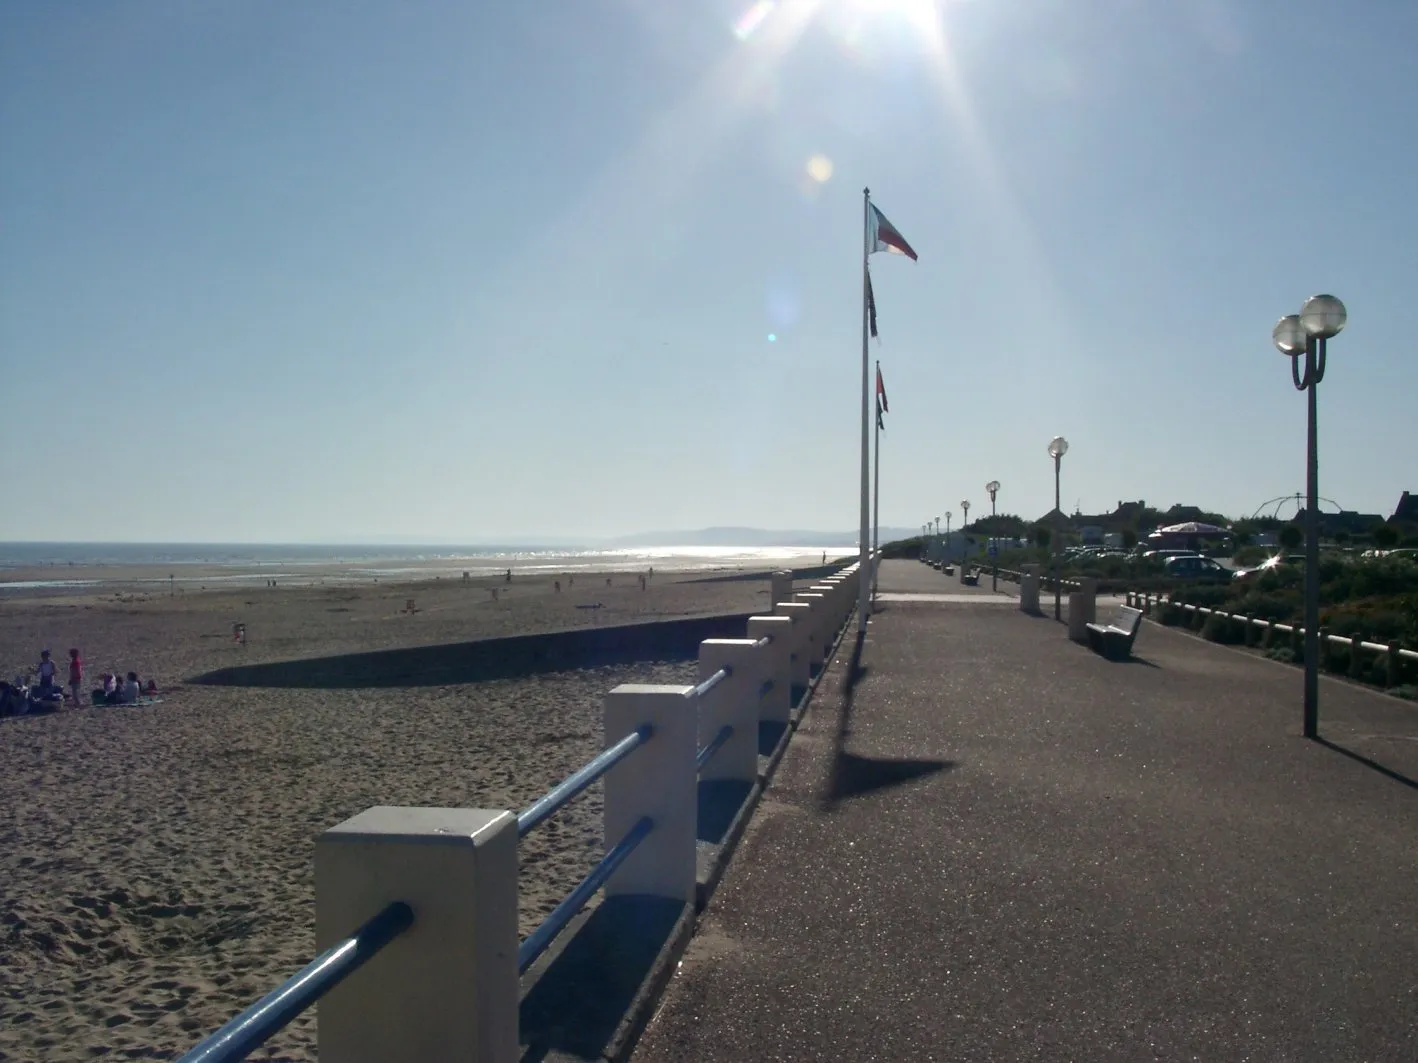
[495, 658]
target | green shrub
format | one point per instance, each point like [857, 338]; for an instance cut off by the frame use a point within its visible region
[1284, 654]
[1224, 629]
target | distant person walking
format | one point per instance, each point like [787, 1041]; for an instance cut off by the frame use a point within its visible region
[76, 675]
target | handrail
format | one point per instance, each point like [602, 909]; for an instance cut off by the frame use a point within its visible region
[710, 683]
[557, 797]
[538, 940]
[1288, 629]
[249, 1030]
[705, 755]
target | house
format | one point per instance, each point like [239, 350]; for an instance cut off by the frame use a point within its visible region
[1407, 509]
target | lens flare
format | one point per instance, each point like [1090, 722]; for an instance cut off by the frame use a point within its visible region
[751, 19]
[819, 168]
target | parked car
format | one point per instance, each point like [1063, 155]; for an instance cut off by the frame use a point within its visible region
[1162, 555]
[1272, 564]
[1197, 568]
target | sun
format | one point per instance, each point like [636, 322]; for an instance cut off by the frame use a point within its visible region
[923, 15]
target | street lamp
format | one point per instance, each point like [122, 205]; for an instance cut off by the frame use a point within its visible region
[946, 556]
[1058, 447]
[964, 523]
[993, 488]
[1307, 334]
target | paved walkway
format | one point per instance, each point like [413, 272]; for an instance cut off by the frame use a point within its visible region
[990, 844]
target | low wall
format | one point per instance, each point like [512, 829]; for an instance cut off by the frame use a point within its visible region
[495, 658]
[814, 572]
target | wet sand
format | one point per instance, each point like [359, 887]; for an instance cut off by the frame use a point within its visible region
[156, 868]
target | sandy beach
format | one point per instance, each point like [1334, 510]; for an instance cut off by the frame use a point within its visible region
[156, 867]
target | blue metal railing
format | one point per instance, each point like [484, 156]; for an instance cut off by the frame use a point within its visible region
[557, 797]
[705, 755]
[249, 1030]
[710, 683]
[254, 1026]
[538, 940]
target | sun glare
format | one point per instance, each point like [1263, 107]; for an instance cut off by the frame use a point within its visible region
[922, 15]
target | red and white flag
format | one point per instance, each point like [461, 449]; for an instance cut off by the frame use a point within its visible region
[886, 237]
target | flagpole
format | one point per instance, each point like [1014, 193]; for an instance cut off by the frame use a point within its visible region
[864, 572]
[876, 496]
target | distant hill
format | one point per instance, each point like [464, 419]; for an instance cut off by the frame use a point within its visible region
[752, 537]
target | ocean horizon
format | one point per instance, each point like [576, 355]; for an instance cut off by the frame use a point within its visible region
[302, 563]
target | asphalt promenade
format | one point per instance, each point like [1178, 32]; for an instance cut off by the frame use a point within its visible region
[987, 843]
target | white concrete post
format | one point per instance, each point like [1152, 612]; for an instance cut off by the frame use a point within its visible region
[734, 702]
[832, 615]
[782, 590]
[447, 987]
[1029, 589]
[1082, 609]
[776, 705]
[657, 780]
[800, 613]
[817, 621]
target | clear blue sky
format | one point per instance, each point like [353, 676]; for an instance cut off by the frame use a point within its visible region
[336, 270]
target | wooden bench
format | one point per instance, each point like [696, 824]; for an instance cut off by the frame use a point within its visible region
[1114, 641]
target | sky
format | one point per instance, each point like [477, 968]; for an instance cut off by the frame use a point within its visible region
[345, 271]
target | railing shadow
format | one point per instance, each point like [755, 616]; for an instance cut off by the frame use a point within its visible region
[854, 775]
[1373, 765]
[578, 1003]
[719, 804]
[770, 733]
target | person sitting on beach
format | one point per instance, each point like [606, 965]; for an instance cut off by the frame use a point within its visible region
[13, 701]
[110, 689]
[131, 689]
[47, 671]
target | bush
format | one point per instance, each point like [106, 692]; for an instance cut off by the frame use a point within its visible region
[1263, 606]
[1284, 654]
[1224, 629]
[1291, 537]
[1408, 690]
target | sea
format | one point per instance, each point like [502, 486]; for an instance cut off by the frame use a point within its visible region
[44, 566]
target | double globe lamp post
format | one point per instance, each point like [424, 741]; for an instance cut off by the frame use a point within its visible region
[1303, 337]
[1058, 447]
[992, 488]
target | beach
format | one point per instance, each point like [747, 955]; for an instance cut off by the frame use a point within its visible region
[156, 873]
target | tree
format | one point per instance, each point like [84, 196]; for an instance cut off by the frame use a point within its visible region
[1385, 536]
[1341, 537]
[1291, 537]
[1129, 538]
[1042, 537]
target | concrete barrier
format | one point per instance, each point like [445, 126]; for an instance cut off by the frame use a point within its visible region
[1029, 589]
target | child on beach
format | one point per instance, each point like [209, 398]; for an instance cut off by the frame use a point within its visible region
[76, 675]
[131, 689]
[47, 671]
